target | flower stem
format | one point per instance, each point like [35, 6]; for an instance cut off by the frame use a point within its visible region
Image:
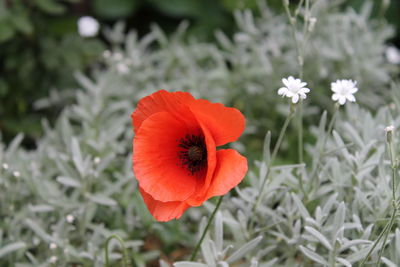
[390, 225]
[324, 140]
[300, 135]
[124, 251]
[274, 153]
[385, 232]
[394, 204]
[203, 235]
[374, 245]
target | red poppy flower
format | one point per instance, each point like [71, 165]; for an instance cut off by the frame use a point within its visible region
[175, 159]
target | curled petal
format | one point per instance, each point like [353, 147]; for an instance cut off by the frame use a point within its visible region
[163, 211]
[158, 102]
[199, 196]
[229, 172]
[225, 124]
[156, 164]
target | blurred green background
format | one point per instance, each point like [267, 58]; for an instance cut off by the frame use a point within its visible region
[40, 48]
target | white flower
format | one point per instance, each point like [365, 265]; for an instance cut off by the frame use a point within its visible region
[88, 26]
[311, 25]
[52, 246]
[392, 55]
[53, 259]
[343, 90]
[96, 160]
[70, 218]
[16, 174]
[389, 128]
[294, 89]
[5, 166]
[122, 68]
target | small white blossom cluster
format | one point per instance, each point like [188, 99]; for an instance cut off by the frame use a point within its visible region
[295, 89]
[343, 90]
[389, 128]
[392, 55]
[5, 166]
[53, 259]
[70, 218]
[53, 246]
[88, 26]
[122, 64]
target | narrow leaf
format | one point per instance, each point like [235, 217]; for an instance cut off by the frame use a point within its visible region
[313, 256]
[243, 250]
[321, 238]
[68, 181]
[11, 248]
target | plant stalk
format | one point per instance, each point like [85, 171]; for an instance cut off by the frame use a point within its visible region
[124, 251]
[273, 156]
[203, 235]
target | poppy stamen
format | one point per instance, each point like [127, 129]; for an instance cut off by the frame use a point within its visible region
[194, 153]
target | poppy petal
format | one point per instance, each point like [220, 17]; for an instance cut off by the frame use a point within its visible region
[229, 172]
[157, 102]
[164, 211]
[200, 193]
[225, 124]
[156, 161]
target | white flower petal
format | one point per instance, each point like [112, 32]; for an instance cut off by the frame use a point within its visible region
[290, 94]
[335, 97]
[351, 98]
[342, 100]
[353, 90]
[282, 91]
[285, 82]
[295, 98]
[88, 26]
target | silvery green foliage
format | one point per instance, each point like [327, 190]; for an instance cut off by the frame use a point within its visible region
[330, 216]
[60, 201]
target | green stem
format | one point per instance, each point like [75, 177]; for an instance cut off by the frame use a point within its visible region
[292, 21]
[273, 156]
[324, 140]
[203, 235]
[392, 219]
[124, 251]
[374, 245]
[300, 136]
[389, 225]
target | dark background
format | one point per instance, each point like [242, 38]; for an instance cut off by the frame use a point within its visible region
[40, 47]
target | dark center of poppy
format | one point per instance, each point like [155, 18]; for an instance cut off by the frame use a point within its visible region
[194, 152]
